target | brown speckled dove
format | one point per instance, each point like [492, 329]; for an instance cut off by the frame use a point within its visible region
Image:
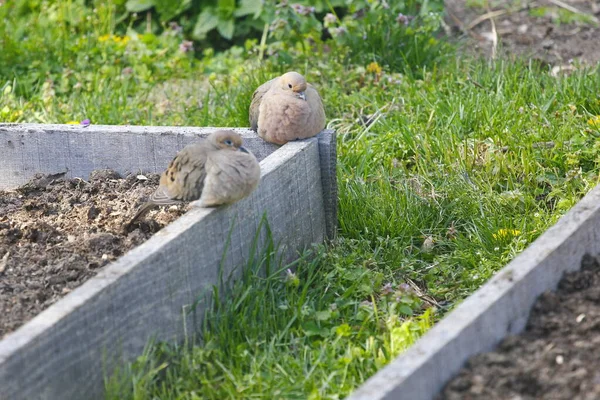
[286, 108]
[215, 171]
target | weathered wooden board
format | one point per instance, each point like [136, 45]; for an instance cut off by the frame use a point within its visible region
[26, 149]
[64, 352]
[498, 308]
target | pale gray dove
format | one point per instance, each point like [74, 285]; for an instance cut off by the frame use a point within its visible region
[215, 171]
[286, 108]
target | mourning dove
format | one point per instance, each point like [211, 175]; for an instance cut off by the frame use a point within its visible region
[286, 108]
[216, 171]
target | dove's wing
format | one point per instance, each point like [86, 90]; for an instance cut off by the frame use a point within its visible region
[255, 104]
[162, 197]
[183, 180]
[316, 122]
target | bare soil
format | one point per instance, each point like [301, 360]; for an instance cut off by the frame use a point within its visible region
[56, 233]
[559, 33]
[555, 358]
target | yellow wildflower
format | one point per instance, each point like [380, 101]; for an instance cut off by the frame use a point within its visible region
[8, 115]
[594, 121]
[73, 123]
[374, 68]
[117, 39]
[122, 40]
[504, 233]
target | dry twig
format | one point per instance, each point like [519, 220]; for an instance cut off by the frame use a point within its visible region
[486, 16]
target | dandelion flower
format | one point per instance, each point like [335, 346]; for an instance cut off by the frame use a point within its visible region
[594, 121]
[116, 39]
[505, 233]
[374, 68]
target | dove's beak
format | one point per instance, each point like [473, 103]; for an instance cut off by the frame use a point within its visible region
[243, 150]
[302, 95]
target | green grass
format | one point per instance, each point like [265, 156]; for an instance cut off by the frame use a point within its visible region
[562, 16]
[467, 155]
[282, 335]
[466, 164]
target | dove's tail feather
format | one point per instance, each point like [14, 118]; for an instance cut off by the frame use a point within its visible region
[141, 212]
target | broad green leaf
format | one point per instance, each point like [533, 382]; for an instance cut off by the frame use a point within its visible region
[169, 9]
[139, 5]
[323, 315]
[312, 329]
[226, 28]
[206, 22]
[406, 310]
[226, 8]
[248, 7]
[343, 330]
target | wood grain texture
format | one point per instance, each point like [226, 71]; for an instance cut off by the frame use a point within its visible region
[498, 308]
[64, 352]
[26, 149]
[328, 159]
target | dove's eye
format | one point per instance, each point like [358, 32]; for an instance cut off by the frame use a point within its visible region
[228, 142]
[290, 85]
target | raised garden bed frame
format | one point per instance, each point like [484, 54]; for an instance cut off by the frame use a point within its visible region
[66, 351]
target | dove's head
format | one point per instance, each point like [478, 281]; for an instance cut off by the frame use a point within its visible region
[226, 140]
[294, 83]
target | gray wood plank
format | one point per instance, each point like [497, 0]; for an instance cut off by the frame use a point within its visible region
[26, 149]
[328, 157]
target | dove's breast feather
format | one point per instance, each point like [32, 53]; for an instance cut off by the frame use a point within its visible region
[282, 116]
[230, 177]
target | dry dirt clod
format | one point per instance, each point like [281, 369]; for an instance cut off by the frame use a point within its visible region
[55, 233]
